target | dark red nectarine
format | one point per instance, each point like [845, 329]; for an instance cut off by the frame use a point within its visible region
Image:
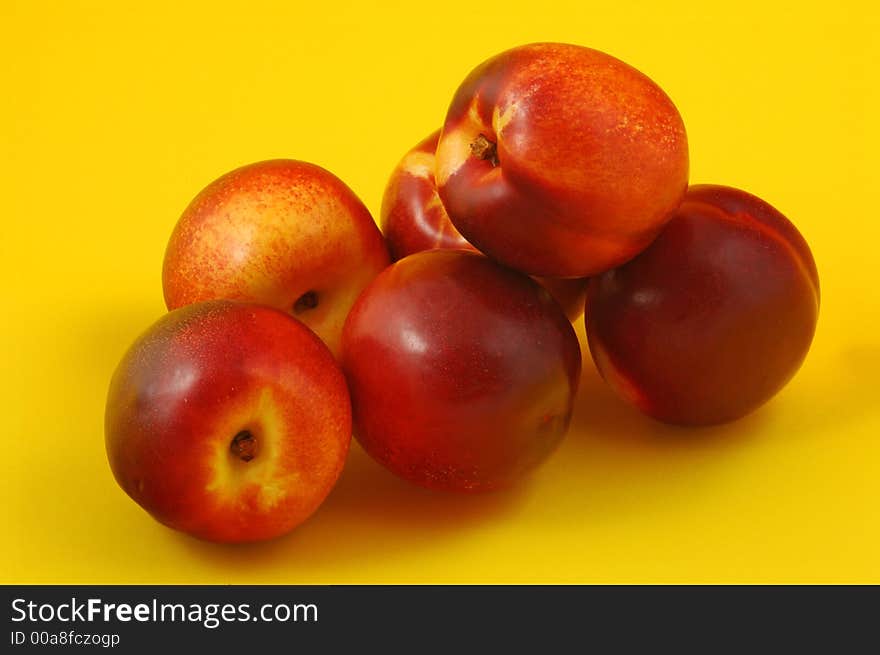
[714, 317]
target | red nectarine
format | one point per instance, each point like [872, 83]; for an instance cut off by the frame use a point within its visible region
[559, 160]
[462, 372]
[714, 317]
[228, 421]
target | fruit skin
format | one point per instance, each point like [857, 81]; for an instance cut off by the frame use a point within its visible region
[271, 233]
[591, 157]
[714, 318]
[413, 219]
[197, 378]
[462, 372]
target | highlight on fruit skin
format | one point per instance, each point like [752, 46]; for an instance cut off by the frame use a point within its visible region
[283, 233]
[714, 317]
[413, 219]
[560, 160]
[228, 421]
[462, 372]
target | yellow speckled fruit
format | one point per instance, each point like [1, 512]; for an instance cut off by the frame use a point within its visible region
[282, 233]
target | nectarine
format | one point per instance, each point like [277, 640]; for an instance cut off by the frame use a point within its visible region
[560, 160]
[228, 421]
[282, 233]
[462, 372]
[714, 317]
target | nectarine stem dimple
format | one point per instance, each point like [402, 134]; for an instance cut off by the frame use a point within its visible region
[483, 148]
[244, 446]
[309, 300]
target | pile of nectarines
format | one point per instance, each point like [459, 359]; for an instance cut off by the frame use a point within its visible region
[560, 175]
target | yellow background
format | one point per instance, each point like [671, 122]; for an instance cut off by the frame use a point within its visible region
[113, 115]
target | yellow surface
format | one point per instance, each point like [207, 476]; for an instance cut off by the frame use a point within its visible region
[113, 115]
